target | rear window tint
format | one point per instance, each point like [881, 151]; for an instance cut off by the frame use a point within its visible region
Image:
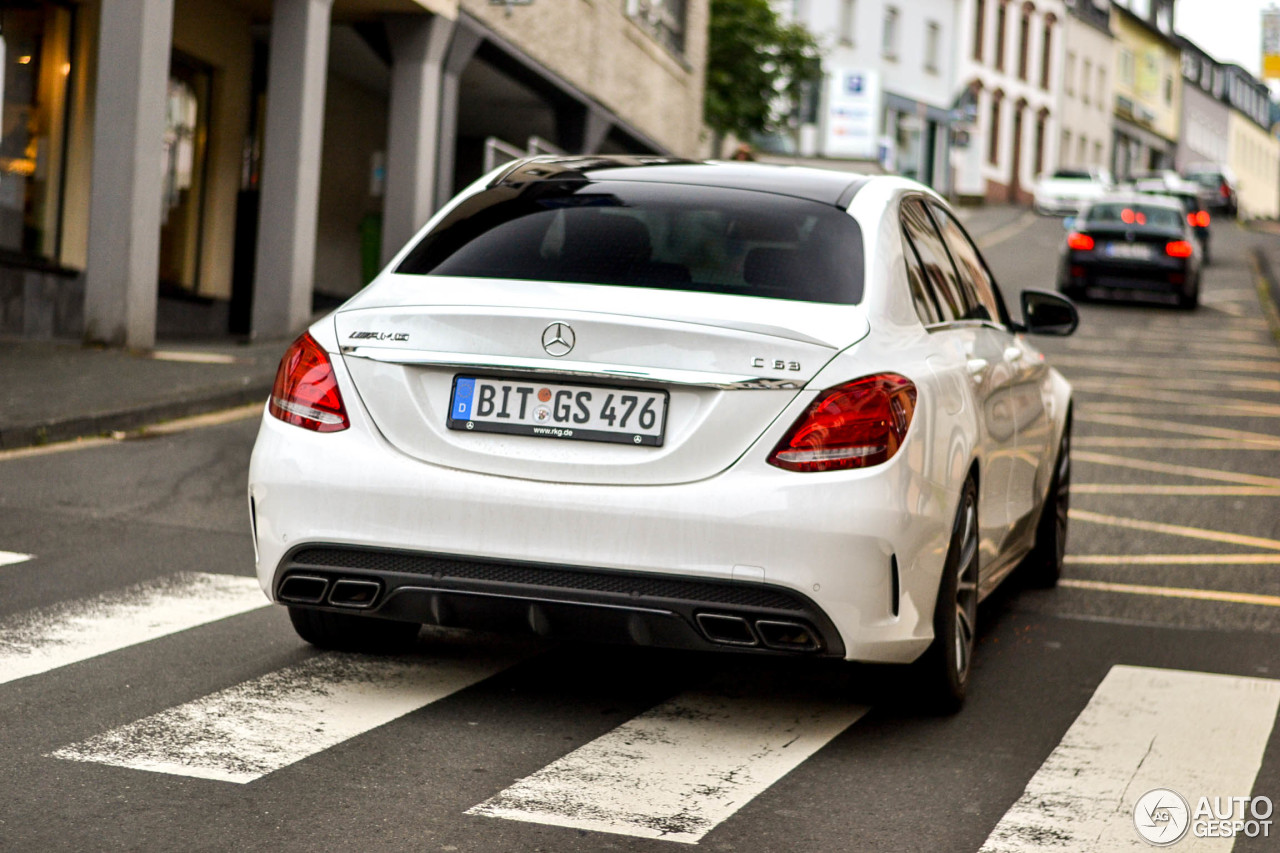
[649, 235]
[1134, 216]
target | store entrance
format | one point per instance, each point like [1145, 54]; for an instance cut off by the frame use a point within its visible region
[184, 163]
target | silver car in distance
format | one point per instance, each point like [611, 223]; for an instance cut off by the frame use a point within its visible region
[721, 406]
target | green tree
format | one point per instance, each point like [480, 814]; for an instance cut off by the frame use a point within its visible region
[757, 67]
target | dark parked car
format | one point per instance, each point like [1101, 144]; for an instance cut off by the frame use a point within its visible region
[1192, 200]
[1219, 183]
[1131, 245]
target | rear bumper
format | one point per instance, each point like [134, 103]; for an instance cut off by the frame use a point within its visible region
[855, 556]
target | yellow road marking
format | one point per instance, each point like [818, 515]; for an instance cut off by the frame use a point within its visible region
[1173, 559]
[1175, 592]
[1175, 530]
[226, 416]
[1138, 384]
[1144, 346]
[1268, 411]
[1147, 391]
[1176, 427]
[1176, 491]
[1178, 470]
[1164, 364]
[1171, 443]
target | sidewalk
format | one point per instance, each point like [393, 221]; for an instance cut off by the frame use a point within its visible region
[57, 390]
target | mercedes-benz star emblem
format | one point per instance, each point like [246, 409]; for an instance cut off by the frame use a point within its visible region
[558, 339]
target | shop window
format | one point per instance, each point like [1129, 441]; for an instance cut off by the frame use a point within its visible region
[35, 66]
[183, 165]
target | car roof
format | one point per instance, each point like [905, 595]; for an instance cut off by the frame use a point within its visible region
[820, 185]
[1134, 197]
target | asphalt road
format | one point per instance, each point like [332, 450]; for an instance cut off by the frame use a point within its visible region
[149, 701]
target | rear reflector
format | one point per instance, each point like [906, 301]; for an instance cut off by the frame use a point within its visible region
[306, 392]
[1178, 249]
[856, 425]
[1079, 242]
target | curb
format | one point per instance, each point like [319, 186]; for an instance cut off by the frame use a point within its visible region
[66, 429]
[1268, 290]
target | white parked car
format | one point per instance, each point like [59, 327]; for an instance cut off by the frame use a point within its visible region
[773, 410]
[1066, 191]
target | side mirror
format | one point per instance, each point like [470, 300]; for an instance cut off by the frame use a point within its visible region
[1069, 223]
[1045, 313]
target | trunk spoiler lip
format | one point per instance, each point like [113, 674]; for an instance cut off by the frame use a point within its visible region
[537, 366]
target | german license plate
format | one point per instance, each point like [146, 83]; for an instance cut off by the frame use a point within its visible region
[546, 410]
[1129, 251]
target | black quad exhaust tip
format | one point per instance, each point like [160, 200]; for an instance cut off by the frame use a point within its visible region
[786, 636]
[303, 589]
[358, 594]
[726, 629]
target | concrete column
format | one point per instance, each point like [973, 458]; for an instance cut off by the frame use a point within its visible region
[286, 256]
[463, 47]
[134, 42]
[419, 45]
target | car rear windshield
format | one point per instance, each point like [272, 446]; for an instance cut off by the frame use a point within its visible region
[1136, 215]
[1072, 174]
[636, 234]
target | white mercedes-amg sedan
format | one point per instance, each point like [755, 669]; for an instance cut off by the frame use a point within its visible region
[762, 409]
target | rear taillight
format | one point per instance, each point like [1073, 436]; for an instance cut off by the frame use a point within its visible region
[1199, 219]
[1224, 190]
[1079, 242]
[1178, 249]
[856, 425]
[306, 392]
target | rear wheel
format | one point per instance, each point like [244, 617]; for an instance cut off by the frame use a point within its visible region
[945, 667]
[1043, 566]
[349, 633]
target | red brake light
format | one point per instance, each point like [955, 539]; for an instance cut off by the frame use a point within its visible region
[856, 425]
[1202, 219]
[1224, 189]
[1178, 249]
[306, 392]
[1079, 242]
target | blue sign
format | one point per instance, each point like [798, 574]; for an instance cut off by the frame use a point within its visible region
[463, 392]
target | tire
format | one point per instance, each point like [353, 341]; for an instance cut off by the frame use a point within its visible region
[349, 633]
[945, 667]
[1042, 568]
[1189, 301]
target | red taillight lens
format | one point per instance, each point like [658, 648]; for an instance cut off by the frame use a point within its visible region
[1200, 219]
[1079, 242]
[306, 392]
[1224, 189]
[1178, 249]
[856, 425]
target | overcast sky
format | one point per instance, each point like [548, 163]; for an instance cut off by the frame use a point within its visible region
[1230, 30]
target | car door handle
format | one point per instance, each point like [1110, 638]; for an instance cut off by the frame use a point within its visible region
[1013, 353]
[976, 367]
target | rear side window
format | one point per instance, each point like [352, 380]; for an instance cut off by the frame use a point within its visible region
[940, 273]
[1135, 215]
[973, 271]
[679, 237]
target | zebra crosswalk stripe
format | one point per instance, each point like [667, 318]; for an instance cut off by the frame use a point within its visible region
[247, 731]
[678, 770]
[9, 558]
[40, 640]
[1195, 733]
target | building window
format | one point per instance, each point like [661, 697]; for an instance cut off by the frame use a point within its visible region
[846, 22]
[1086, 74]
[1002, 15]
[1069, 74]
[663, 19]
[979, 28]
[1024, 43]
[1046, 53]
[932, 46]
[1064, 150]
[889, 38]
[1126, 66]
[1168, 89]
[1041, 120]
[993, 136]
[1097, 154]
[183, 164]
[36, 50]
[1102, 87]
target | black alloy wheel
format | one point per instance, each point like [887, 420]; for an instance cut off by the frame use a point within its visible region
[946, 666]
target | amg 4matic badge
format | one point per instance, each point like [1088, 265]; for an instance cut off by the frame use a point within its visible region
[379, 336]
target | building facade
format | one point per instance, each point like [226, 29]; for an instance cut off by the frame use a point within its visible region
[1205, 123]
[1147, 113]
[200, 166]
[888, 87]
[1085, 91]
[1011, 56]
[1252, 152]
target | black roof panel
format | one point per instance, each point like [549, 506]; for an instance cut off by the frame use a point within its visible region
[826, 187]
